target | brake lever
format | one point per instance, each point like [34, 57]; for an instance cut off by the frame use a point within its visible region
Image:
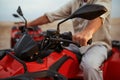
[89, 42]
[64, 40]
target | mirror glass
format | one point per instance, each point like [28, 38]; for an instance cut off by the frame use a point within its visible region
[89, 11]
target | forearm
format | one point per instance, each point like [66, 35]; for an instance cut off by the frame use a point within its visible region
[84, 36]
[39, 21]
[93, 26]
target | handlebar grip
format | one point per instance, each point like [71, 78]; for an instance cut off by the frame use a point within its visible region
[89, 41]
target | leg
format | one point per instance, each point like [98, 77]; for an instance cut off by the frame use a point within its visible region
[91, 62]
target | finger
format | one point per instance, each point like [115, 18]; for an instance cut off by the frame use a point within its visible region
[83, 42]
[74, 38]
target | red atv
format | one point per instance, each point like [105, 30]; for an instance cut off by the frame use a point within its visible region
[18, 31]
[55, 57]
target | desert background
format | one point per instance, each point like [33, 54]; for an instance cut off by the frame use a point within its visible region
[34, 8]
[5, 30]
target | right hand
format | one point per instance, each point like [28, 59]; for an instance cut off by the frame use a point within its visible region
[82, 38]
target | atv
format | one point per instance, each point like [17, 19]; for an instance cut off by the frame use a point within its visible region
[17, 31]
[55, 57]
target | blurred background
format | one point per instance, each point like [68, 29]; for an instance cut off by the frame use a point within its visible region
[34, 8]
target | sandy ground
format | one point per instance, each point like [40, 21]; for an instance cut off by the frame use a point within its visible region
[5, 28]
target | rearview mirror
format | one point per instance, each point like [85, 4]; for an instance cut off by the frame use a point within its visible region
[19, 11]
[89, 12]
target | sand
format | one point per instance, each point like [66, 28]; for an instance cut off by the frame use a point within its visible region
[5, 30]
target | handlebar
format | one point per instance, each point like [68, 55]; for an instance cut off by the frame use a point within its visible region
[65, 37]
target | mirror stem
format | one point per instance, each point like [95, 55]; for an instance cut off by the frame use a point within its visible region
[58, 26]
[25, 28]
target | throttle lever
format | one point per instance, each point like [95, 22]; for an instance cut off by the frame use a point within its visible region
[89, 41]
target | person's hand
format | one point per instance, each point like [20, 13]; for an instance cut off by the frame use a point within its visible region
[19, 24]
[82, 38]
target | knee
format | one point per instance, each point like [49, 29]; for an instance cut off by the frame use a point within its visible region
[89, 65]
